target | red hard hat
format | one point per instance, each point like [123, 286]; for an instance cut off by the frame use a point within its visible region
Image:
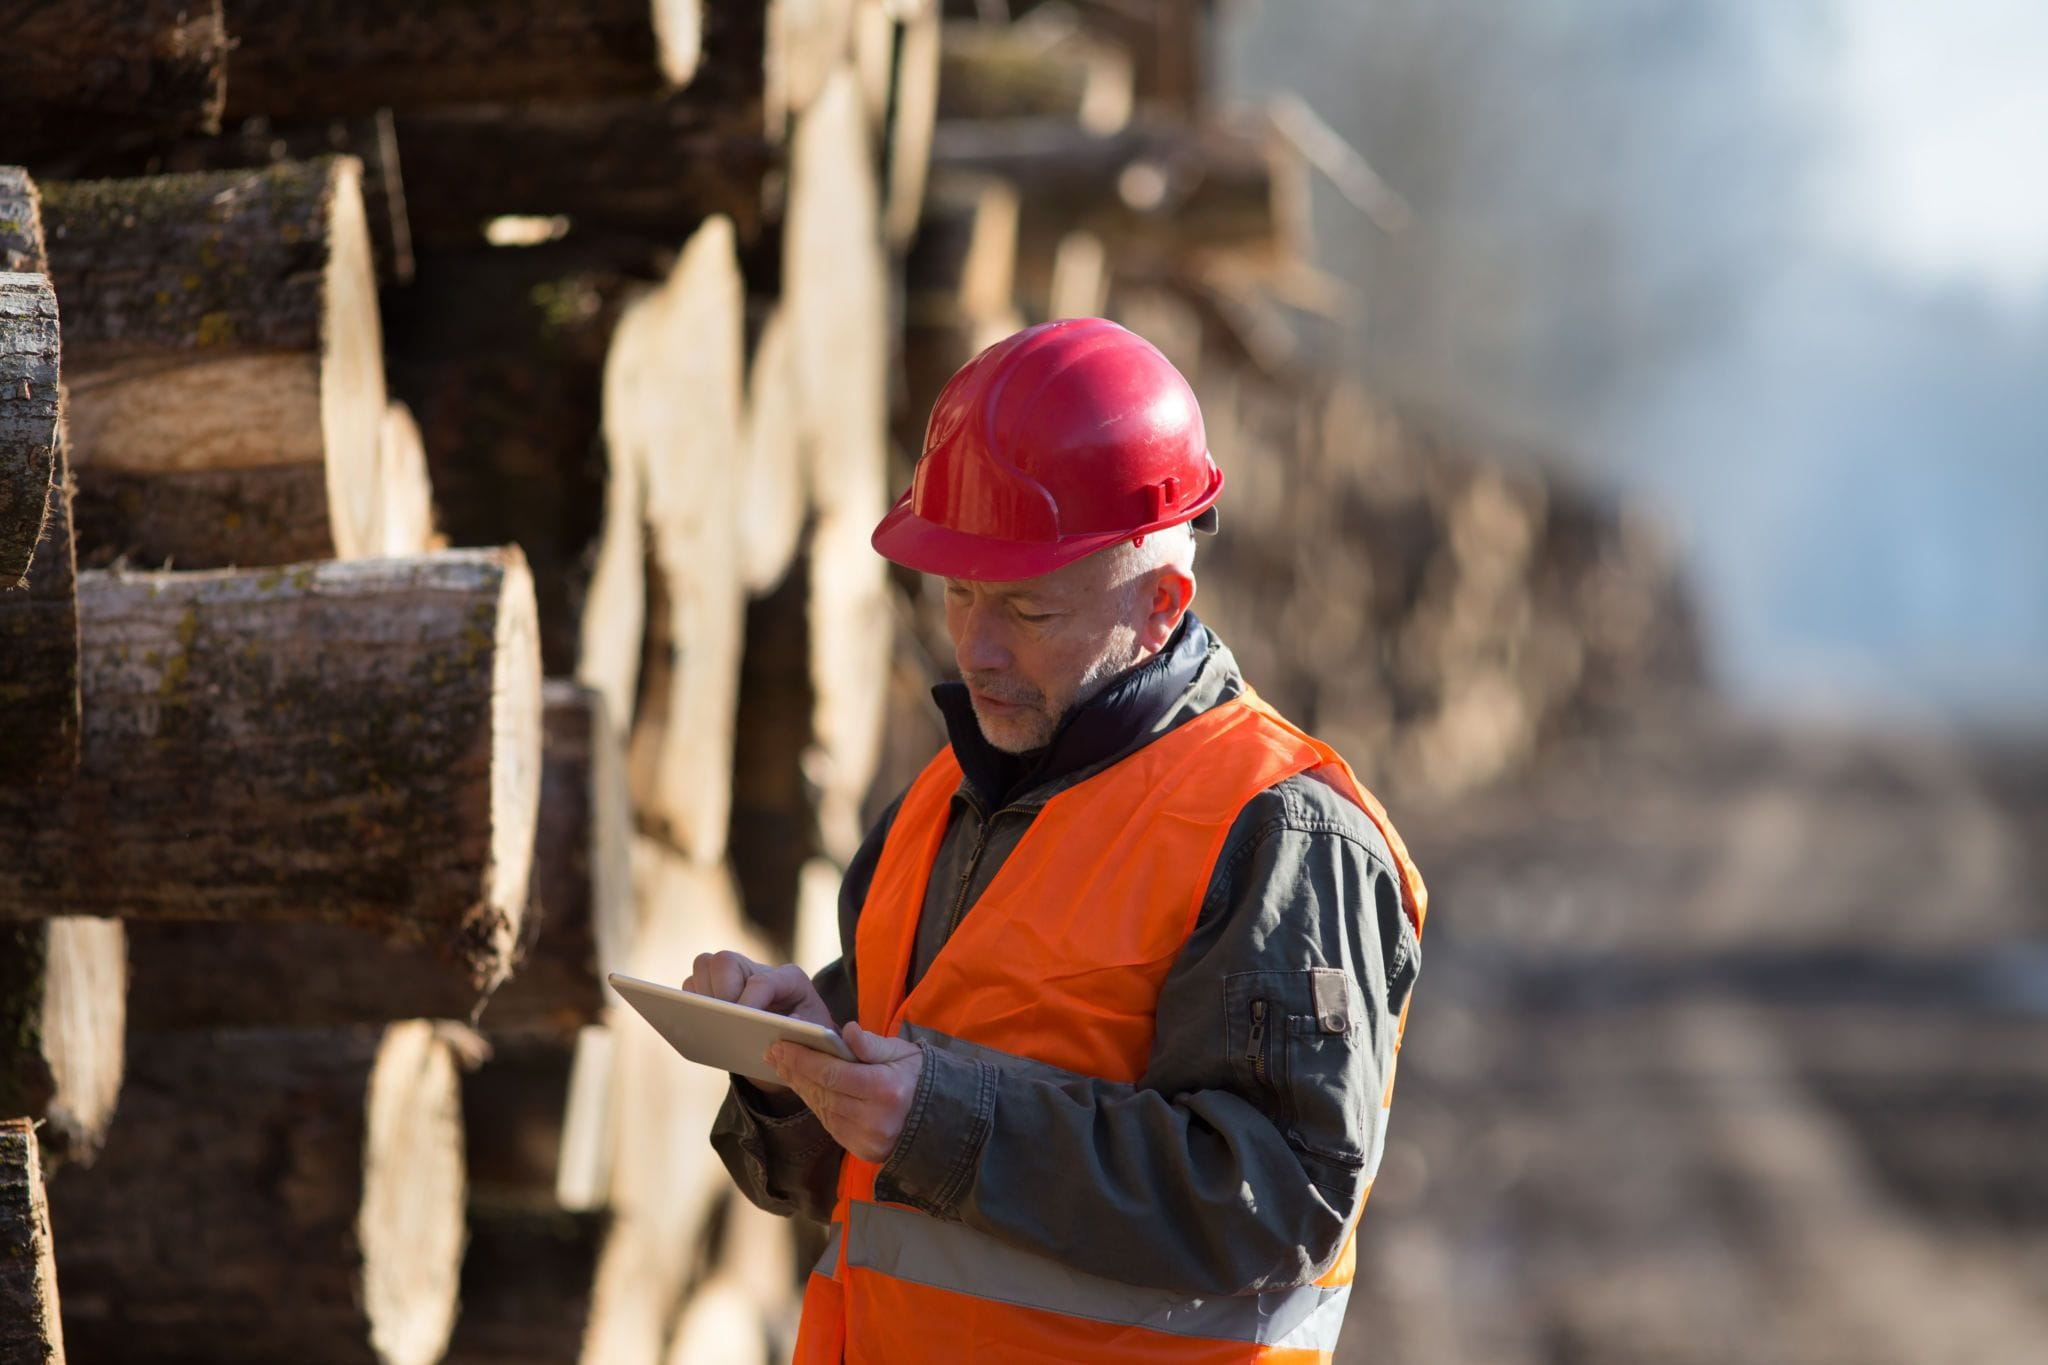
[1050, 445]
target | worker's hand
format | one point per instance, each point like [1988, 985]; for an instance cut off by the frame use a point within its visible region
[861, 1103]
[779, 990]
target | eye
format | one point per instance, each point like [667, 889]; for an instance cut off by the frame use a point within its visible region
[1033, 618]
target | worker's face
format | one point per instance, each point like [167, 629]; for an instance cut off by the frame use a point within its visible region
[1032, 649]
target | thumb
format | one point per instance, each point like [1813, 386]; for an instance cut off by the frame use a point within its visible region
[876, 1047]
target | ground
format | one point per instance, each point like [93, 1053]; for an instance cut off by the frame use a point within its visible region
[1731, 1045]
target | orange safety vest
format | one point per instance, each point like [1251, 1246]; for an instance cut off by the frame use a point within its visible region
[1038, 978]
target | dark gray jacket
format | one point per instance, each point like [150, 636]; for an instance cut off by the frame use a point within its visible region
[1237, 1162]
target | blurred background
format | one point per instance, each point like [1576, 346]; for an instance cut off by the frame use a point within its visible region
[1634, 427]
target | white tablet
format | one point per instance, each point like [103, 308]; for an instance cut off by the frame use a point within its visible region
[719, 1033]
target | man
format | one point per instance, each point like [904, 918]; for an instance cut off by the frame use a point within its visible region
[1124, 969]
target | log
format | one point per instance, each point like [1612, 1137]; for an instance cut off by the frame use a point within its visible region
[1045, 65]
[272, 1195]
[526, 1285]
[661, 1191]
[31, 1328]
[1156, 194]
[513, 1107]
[579, 916]
[355, 741]
[652, 168]
[29, 407]
[835, 288]
[224, 363]
[499, 355]
[720, 1324]
[21, 224]
[672, 406]
[404, 520]
[853, 631]
[63, 1001]
[963, 267]
[807, 42]
[912, 117]
[310, 59]
[771, 496]
[39, 660]
[109, 71]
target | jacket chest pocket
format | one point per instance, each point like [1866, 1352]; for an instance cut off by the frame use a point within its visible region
[1300, 1051]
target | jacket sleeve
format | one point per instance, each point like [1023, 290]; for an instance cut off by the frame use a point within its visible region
[1239, 1160]
[776, 1150]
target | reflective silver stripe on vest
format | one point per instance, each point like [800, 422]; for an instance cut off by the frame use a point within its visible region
[906, 1245]
[828, 1264]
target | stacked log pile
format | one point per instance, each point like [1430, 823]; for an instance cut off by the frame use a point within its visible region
[445, 579]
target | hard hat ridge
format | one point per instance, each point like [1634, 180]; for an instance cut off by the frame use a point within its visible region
[1055, 442]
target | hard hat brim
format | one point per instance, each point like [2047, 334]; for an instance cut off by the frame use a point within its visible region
[903, 537]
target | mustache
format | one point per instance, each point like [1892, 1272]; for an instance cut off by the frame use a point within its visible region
[1000, 688]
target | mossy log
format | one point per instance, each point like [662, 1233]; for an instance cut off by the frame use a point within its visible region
[29, 402]
[63, 1002]
[353, 741]
[224, 364]
[79, 71]
[304, 58]
[272, 1195]
[31, 1328]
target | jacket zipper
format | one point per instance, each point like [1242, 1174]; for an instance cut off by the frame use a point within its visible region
[967, 874]
[1255, 1050]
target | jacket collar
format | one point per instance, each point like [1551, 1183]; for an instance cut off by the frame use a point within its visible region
[1194, 672]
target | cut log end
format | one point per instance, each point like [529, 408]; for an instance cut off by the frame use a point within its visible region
[352, 401]
[411, 1219]
[84, 1015]
[678, 38]
[404, 515]
[515, 753]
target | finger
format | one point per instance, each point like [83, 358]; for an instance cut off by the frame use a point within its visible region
[876, 1048]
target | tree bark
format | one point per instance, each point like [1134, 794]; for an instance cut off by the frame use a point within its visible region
[39, 662]
[306, 59]
[29, 407]
[222, 339]
[580, 915]
[31, 1330]
[354, 741]
[500, 354]
[654, 168]
[76, 71]
[270, 1195]
[38, 623]
[526, 1282]
[63, 1000]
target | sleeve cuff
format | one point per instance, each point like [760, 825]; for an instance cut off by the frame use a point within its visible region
[939, 1150]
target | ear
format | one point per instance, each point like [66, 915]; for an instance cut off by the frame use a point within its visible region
[1173, 591]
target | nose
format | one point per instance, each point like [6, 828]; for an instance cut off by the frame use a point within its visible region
[977, 643]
